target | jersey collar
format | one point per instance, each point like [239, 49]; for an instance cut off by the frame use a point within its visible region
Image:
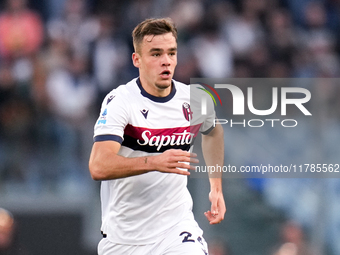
[154, 98]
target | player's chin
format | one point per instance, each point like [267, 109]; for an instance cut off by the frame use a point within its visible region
[163, 84]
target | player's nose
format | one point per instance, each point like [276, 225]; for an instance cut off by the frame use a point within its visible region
[166, 60]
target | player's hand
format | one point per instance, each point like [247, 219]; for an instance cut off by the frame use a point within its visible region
[174, 161]
[218, 209]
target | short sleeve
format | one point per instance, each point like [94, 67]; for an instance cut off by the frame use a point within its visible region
[203, 107]
[209, 120]
[112, 120]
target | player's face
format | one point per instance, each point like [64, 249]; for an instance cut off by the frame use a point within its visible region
[156, 62]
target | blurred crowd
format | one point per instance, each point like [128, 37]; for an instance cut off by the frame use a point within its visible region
[59, 58]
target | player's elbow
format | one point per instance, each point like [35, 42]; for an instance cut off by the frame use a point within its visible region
[95, 171]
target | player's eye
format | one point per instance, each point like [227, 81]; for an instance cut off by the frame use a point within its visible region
[156, 55]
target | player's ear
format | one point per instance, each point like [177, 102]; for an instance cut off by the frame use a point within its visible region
[136, 59]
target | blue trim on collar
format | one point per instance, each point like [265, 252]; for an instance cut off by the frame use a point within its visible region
[154, 98]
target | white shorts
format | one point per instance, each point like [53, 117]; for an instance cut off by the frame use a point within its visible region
[182, 239]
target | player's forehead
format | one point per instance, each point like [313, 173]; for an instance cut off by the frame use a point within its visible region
[164, 41]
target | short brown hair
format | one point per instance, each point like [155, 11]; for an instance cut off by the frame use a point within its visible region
[152, 27]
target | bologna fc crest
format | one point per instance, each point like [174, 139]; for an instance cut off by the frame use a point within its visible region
[187, 111]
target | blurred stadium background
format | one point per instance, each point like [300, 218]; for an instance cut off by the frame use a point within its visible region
[58, 58]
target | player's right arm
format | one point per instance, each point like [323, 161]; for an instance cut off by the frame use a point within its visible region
[106, 164]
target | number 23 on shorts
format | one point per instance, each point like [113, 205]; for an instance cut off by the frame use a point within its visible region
[187, 237]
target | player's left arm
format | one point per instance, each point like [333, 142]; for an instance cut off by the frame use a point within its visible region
[213, 152]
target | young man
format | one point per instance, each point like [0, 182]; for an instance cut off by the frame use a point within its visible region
[141, 154]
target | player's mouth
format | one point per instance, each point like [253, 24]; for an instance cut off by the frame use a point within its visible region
[166, 74]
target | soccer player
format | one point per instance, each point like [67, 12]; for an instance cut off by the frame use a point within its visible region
[141, 153]
[6, 232]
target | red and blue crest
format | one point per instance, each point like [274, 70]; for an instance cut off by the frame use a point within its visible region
[187, 111]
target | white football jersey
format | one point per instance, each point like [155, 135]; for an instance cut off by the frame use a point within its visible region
[138, 209]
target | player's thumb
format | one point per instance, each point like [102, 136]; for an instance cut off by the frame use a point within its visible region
[214, 207]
